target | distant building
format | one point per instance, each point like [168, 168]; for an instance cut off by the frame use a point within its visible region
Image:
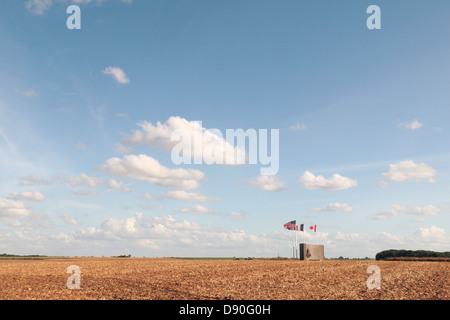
[312, 252]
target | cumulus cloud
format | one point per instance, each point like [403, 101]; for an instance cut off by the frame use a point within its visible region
[81, 145]
[128, 190]
[268, 183]
[28, 93]
[98, 2]
[13, 209]
[335, 207]
[166, 236]
[197, 209]
[114, 185]
[122, 149]
[85, 193]
[397, 209]
[68, 220]
[146, 168]
[237, 215]
[212, 148]
[409, 170]
[11, 212]
[148, 196]
[83, 180]
[188, 196]
[118, 74]
[413, 125]
[429, 210]
[38, 7]
[157, 229]
[335, 182]
[298, 127]
[27, 196]
[32, 180]
[431, 233]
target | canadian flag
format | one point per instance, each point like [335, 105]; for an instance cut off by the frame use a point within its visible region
[313, 228]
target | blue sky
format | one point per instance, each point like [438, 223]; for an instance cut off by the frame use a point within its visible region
[362, 118]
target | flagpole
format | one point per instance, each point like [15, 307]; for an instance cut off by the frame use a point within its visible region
[293, 245]
[293, 251]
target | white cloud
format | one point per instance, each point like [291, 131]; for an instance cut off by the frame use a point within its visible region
[167, 236]
[384, 185]
[335, 207]
[121, 115]
[148, 196]
[429, 210]
[122, 149]
[188, 196]
[146, 168]
[115, 185]
[123, 228]
[158, 229]
[28, 93]
[68, 220]
[397, 209]
[85, 193]
[12, 212]
[38, 7]
[118, 74]
[237, 215]
[336, 182]
[268, 183]
[431, 233]
[409, 170]
[413, 125]
[213, 148]
[298, 127]
[197, 209]
[81, 145]
[13, 209]
[128, 190]
[98, 2]
[32, 180]
[27, 196]
[83, 180]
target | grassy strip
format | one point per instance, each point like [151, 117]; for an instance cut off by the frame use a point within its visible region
[212, 258]
[15, 257]
[417, 259]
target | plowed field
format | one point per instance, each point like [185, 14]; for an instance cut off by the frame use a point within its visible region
[258, 279]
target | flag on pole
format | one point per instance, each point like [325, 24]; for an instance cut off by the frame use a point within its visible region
[290, 225]
[301, 227]
[313, 228]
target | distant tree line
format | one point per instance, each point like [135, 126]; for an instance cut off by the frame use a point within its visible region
[388, 254]
[17, 255]
[347, 258]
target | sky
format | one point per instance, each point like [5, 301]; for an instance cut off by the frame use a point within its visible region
[357, 120]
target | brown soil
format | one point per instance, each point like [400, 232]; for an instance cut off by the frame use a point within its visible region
[259, 279]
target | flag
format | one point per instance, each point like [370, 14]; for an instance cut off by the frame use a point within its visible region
[313, 228]
[290, 225]
[302, 227]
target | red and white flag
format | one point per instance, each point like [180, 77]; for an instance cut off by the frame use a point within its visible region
[313, 228]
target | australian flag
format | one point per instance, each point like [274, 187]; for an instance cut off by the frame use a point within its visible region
[290, 225]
